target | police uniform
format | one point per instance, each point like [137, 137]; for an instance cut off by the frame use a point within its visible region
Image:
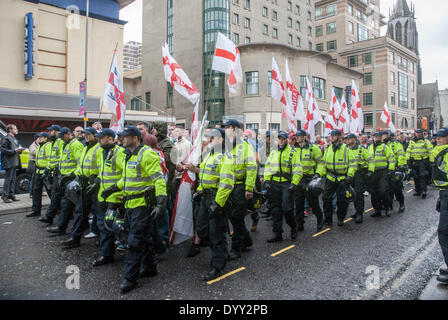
[282, 174]
[42, 163]
[216, 182]
[339, 170]
[310, 156]
[71, 153]
[382, 167]
[419, 157]
[396, 186]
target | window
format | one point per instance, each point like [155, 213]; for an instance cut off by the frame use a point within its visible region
[298, 42]
[274, 33]
[393, 118]
[392, 77]
[338, 92]
[392, 98]
[247, 4]
[363, 33]
[367, 58]
[274, 15]
[412, 103]
[331, 45]
[358, 14]
[319, 47]
[413, 123]
[236, 38]
[411, 67]
[136, 103]
[352, 61]
[274, 126]
[331, 27]
[298, 10]
[236, 18]
[404, 123]
[265, 29]
[368, 119]
[247, 40]
[331, 10]
[269, 83]
[309, 15]
[148, 100]
[252, 126]
[402, 90]
[319, 88]
[350, 28]
[364, 17]
[297, 25]
[318, 13]
[350, 9]
[310, 31]
[247, 23]
[367, 99]
[289, 38]
[412, 85]
[373, 24]
[252, 83]
[265, 12]
[367, 78]
[319, 31]
[391, 58]
[303, 86]
[289, 6]
[236, 2]
[289, 22]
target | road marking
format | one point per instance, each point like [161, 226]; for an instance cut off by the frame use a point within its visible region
[411, 190]
[283, 250]
[348, 220]
[323, 231]
[226, 275]
[368, 210]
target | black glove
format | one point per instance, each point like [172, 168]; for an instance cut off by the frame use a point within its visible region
[402, 168]
[390, 173]
[67, 178]
[348, 180]
[197, 195]
[438, 205]
[93, 187]
[107, 192]
[292, 188]
[214, 210]
[160, 208]
[316, 176]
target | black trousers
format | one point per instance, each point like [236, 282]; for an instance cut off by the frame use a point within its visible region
[380, 190]
[238, 209]
[360, 186]
[442, 229]
[140, 252]
[300, 195]
[421, 176]
[107, 237]
[56, 198]
[397, 191]
[342, 203]
[212, 230]
[81, 216]
[281, 206]
[38, 186]
[9, 186]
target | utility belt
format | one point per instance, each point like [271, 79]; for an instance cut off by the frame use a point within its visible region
[149, 196]
[283, 175]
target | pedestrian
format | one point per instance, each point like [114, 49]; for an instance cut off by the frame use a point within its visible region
[145, 128]
[182, 150]
[396, 181]
[79, 134]
[141, 173]
[10, 150]
[32, 161]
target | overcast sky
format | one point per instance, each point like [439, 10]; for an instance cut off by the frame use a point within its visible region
[432, 27]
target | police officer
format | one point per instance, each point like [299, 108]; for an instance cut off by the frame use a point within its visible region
[86, 173]
[382, 167]
[52, 173]
[110, 160]
[310, 157]
[419, 156]
[361, 158]
[144, 188]
[42, 162]
[216, 182]
[396, 184]
[245, 173]
[282, 174]
[440, 178]
[71, 153]
[339, 169]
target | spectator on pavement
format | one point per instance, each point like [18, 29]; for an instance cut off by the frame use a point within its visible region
[11, 151]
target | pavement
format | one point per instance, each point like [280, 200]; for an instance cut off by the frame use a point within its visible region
[24, 205]
[434, 290]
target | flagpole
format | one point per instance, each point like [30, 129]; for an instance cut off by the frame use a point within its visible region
[108, 74]
[208, 90]
[85, 67]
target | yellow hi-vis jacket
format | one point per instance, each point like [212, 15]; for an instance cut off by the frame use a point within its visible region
[217, 172]
[88, 164]
[245, 165]
[399, 154]
[283, 165]
[382, 158]
[440, 172]
[57, 147]
[71, 154]
[110, 171]
[310, 157]
[43, 157]
[419, 150]
[141, 170]
[361, 156]
[338, 164]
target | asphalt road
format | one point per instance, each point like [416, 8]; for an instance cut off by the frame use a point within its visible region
[383, 258]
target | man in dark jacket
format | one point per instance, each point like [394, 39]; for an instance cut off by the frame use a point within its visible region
[160, 130]
[11, 150]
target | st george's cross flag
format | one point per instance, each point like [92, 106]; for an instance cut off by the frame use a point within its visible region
[356, 121]
[344, 117]
[113, 97]
[294, 98]
[386, 117]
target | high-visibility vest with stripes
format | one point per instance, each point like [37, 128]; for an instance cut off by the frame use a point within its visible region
[56, 152]
[339, 164]
[310, 156]
[245, 165]
[283, 165]
[419, 150]
[217, 172]
[71, 154]
[88, 164]
[110, 171]
[141, 170]
[440, 169]
[361, 156]
[400, 155]
[43, 157]
[382, 158]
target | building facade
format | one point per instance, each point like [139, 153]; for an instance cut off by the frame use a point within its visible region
[190, 28]
[443, 94]
[429, 106]
[132, 55]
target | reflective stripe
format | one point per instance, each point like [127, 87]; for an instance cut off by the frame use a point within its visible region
[111, 181]
[209, 182]
[143, 188]
[225, 185]
[143, 179]
[227, 176]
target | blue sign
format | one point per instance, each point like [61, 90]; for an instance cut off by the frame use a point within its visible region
[29, 45]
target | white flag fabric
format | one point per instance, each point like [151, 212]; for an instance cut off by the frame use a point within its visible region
[313, 115]
[344, 117]
[195, 122]
[113, 97]
[357, 121]
[386, 117]
[227, 59]
[294, 98]
[177, 77]
[331, 120]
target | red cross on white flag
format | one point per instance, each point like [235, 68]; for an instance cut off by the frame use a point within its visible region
[386, 117]
[357, 120]
[294, 98]
[113, 97]
[344, 117]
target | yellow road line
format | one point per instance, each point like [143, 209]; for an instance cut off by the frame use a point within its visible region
[348, 220]
[368, 210]
[226, 275]
[283, 250]
[323, 231]
[411, 190]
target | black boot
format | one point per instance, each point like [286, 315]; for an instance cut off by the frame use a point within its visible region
[358, 218]
[424, 195]
[149, 272]
[193, 251]
[33, 214]
[376, 214]
[45, 219]
[71, 243]
[212, 274]
[387, 213]
[127, 286]
[340, 222]
[56, 230]
[234, 254]
[294, 233]
[402, 208]
[103, 260]
[276, 238]
[300, 227]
